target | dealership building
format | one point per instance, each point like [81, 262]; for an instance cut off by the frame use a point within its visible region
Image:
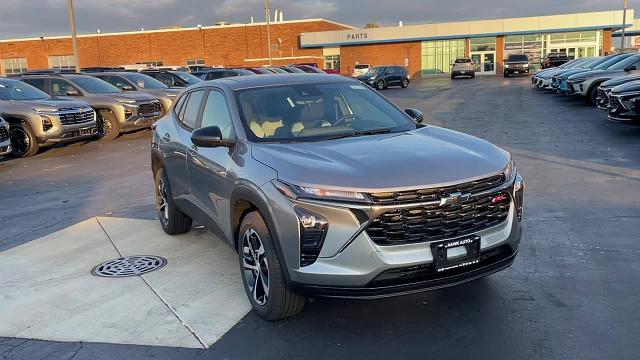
[425, 49]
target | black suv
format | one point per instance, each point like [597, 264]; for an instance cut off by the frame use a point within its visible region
[554, 59]
[223, 73]
[382, 77]
[516, 64]
[172, 78]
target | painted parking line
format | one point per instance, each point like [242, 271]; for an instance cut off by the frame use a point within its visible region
[48, 293]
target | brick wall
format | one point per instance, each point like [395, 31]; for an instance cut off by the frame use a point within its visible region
[382, 54]
[226, 46]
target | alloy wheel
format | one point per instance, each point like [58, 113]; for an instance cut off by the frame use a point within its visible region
[105, 127]
[161, 199]
[20, 141]
[255, 266]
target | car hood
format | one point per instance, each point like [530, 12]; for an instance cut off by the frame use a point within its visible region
[594, 73]
[567, 73]
[43, 105]
[620, 80]
[426, 157]
[633, 86]
[137, 96]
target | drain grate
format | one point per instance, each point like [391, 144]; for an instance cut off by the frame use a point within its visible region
[129, 266]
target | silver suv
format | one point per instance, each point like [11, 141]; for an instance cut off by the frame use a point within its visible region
[117, 111]
[37, 120]
[5, 142]
[325, 188]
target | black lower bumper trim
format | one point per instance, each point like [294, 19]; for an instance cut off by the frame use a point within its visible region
[408, 288]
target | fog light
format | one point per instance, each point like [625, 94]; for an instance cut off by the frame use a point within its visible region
[313, 230]
[46, 123]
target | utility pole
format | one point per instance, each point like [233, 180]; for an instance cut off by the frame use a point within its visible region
[267, 13]
[624, 24]
[74, 41]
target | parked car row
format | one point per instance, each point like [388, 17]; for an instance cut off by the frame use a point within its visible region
[219, 73]
[610, 82]
[46, 108]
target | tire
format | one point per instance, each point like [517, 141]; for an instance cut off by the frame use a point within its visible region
[505, 74]
[592, 95]
[172, 219]
[473, 76]
[405, 83]
[108, 125]
[277, 301]
[380, 85]
[453, 76]
[23, 140]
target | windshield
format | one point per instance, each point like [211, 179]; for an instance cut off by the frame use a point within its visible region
[621, 65]
[463, 61]
[144, 81]
[190, 79]
[94, 85]
[377, 70]
[362, 66]
[311, 112]
[601, 65]
[517, 58]
[17, 90]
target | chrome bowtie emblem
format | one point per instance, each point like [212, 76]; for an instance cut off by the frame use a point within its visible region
[453, 199]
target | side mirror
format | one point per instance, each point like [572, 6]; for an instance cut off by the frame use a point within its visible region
[209, 136]
[126, 87]
[632, 67]
[415, 114]
[72, 92]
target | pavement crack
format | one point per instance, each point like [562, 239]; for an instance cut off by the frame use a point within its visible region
[182, 321]
[77, 351]
[108, 237]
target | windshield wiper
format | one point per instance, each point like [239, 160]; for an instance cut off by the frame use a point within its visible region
[360, 133]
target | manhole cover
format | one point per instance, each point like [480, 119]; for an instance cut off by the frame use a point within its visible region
[129, 266]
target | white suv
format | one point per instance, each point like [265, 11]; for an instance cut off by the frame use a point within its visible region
[463, 67]
[361, 69]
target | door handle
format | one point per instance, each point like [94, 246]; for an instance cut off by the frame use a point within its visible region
[193, 149]
[166, 137]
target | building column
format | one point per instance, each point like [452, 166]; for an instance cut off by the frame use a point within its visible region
[606, 41]
[499, 54]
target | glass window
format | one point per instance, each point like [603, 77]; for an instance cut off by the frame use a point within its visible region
[178, 106]
[437, 56]
[17, 90]
[62, 62]
[308, 112]
[151, 63]
[38, 83]
[216, 113]
[94, 85]
[14, 66]
[191, 62]
[60, 87]
[144, 81]
[190, 114]
[116, 81]
[483, 44]
[188, 78]
[332, 62]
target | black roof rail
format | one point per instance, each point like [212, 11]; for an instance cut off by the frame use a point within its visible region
[48, 71]
[102, 69]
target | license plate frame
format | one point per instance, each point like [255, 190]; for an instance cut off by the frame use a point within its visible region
[85, 131]
[439, 251]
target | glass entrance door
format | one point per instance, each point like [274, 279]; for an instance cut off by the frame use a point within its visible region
[484, 61]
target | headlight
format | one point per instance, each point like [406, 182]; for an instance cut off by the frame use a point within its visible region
[295, 192]
[127, 102]
[507, 66]
[578, 81]
[46, 122]
[509, 170]
[171, 95]
[526, 65]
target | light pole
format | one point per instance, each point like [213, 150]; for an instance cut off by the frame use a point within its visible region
[267, 13]
[624, 24]
[74, 41]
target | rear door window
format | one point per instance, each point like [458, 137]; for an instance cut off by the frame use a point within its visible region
[38, 83]
[191, 109]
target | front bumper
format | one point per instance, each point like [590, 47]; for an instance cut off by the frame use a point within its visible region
[137, 119]
[622, 110]
[64, 131]
[516, 70]
[351, 264]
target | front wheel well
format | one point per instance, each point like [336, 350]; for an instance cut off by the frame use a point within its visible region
[241, 208]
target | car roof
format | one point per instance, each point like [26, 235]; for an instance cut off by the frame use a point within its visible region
[254, 81]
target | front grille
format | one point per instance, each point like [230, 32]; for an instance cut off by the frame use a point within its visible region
[614, 102]
[601, 94]
[149, 109]
[76, 116]
[435, 222]
[4, 134]
[421, 195]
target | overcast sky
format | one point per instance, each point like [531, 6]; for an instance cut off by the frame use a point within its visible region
[26, 18]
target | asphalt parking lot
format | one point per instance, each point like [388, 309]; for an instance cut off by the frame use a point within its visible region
[572, 293]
